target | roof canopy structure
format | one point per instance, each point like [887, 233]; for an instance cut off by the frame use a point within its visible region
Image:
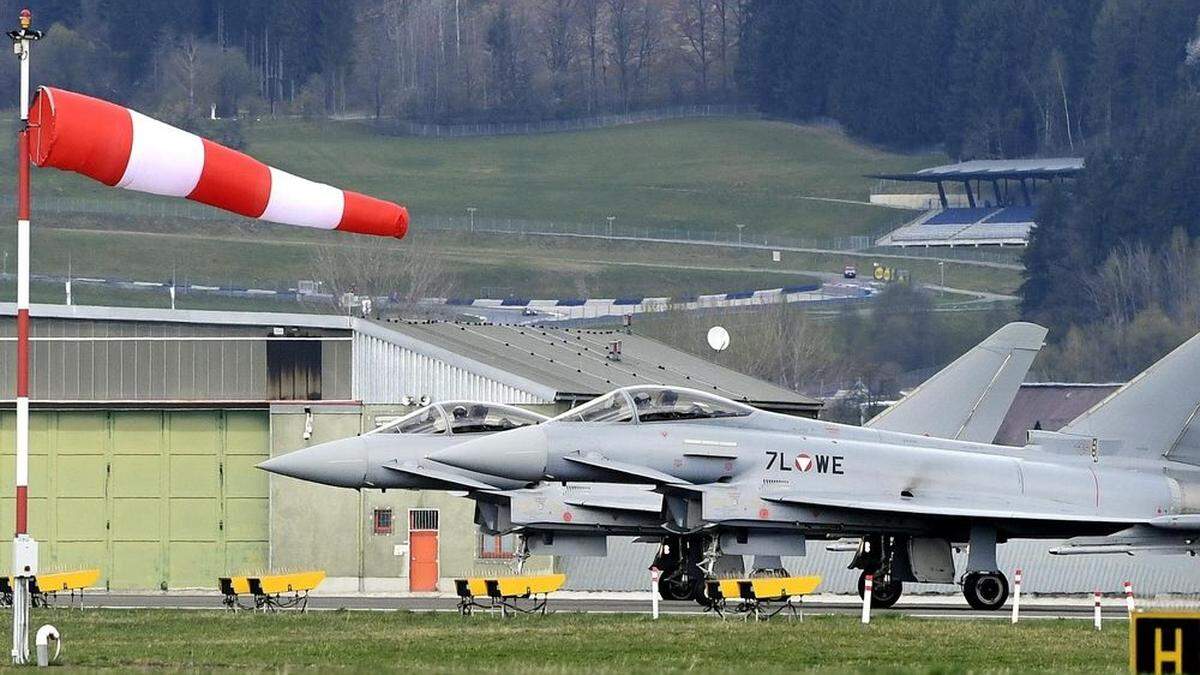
[1026, 172]
[992, 169]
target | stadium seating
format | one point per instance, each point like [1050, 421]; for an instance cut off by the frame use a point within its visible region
[960, 216]
[1013, 214]
[966, 227]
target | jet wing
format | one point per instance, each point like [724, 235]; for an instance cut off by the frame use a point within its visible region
[949, 505]
[624, 468]
[968, 399]
[449, 477]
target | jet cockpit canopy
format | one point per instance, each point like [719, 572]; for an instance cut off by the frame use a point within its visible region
[655, 404]
[461, 417]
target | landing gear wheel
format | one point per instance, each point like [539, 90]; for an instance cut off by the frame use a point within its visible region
[985, 590]
[675, 587]
[700, 593]
[884, 594]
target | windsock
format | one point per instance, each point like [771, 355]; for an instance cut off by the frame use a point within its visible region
[124, 148]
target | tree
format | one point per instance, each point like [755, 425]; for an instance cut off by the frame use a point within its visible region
[558, 46]
[693, 17]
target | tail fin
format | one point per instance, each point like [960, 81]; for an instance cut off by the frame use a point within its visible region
[968, 399]
[1154, 414]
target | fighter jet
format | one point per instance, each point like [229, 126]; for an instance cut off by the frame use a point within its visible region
[1126, 474]
[554, 519]
[967, 399]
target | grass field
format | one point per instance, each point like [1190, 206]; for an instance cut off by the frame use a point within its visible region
[224, 253]
[702, 174]
[361, 641]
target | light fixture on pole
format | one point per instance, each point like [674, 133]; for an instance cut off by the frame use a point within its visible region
[739, 226]
[471, 210]
[25, 552]
[610, 220]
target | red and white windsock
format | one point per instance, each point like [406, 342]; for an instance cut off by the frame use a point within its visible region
[123, 148]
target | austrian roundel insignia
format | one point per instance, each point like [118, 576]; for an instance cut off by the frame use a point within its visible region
[803, 462]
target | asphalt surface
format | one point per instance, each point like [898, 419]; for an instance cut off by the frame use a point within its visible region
[911, 607]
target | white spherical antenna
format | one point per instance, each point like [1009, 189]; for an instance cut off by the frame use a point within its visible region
[718, 338]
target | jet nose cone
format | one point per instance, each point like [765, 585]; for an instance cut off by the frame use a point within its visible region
[519, 454]
[339, 463]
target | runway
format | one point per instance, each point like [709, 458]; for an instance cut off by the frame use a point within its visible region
[914, 607]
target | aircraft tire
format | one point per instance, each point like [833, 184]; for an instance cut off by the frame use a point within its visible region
[883, 595]
[985, 590]
[674, 588]
[700, 593]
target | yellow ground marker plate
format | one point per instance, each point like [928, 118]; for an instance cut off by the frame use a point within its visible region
[68, 581]
[516, 586]
[295, 582]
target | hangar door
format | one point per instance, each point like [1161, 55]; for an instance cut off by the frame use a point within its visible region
[155, 498]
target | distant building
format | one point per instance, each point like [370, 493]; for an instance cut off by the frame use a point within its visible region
[997, 205]
[147, 424]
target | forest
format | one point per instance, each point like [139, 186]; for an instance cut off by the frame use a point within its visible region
[1112, 267]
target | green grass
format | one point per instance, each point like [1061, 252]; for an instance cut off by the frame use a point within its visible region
[701, 174]
[362, 641]
[541, 267]
[696, 174]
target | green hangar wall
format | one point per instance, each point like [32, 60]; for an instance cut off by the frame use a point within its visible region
[163, 498]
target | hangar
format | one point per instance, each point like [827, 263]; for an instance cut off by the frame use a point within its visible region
[147, 424]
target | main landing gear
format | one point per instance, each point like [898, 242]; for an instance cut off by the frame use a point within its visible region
[984, 586]
[985, 590]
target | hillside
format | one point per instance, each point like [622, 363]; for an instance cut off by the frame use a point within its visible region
[702, 175]
[698, 174]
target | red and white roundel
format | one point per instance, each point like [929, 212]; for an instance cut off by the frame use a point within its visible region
[803, 462]
[124, 148]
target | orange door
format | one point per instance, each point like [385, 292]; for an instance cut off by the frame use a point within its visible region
[423, 560]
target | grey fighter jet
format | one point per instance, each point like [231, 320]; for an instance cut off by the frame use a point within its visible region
[967, 399]
[553, 518]
[1124, 475]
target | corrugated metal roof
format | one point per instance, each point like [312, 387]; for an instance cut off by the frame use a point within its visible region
[545, 363]
[575, 362]
[1048, 407]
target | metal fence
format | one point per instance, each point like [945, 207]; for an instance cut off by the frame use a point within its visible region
[407, 128]
[600, 229]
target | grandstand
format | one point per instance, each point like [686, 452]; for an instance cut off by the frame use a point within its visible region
[1000, 196]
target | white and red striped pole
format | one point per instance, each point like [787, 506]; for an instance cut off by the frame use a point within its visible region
[868, 583]
[1129, 597]
[24, 550]
[1016, 604]
[1096, 611]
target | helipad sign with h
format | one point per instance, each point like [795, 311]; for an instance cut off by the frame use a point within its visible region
[1164, 642]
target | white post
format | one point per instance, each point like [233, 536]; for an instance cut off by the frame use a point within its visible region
[1096, 611]
[172, 291]
[1129, 597]
[868, 582]
[68, 285]
[655, 573]
[24, 552]
[1016, 604]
